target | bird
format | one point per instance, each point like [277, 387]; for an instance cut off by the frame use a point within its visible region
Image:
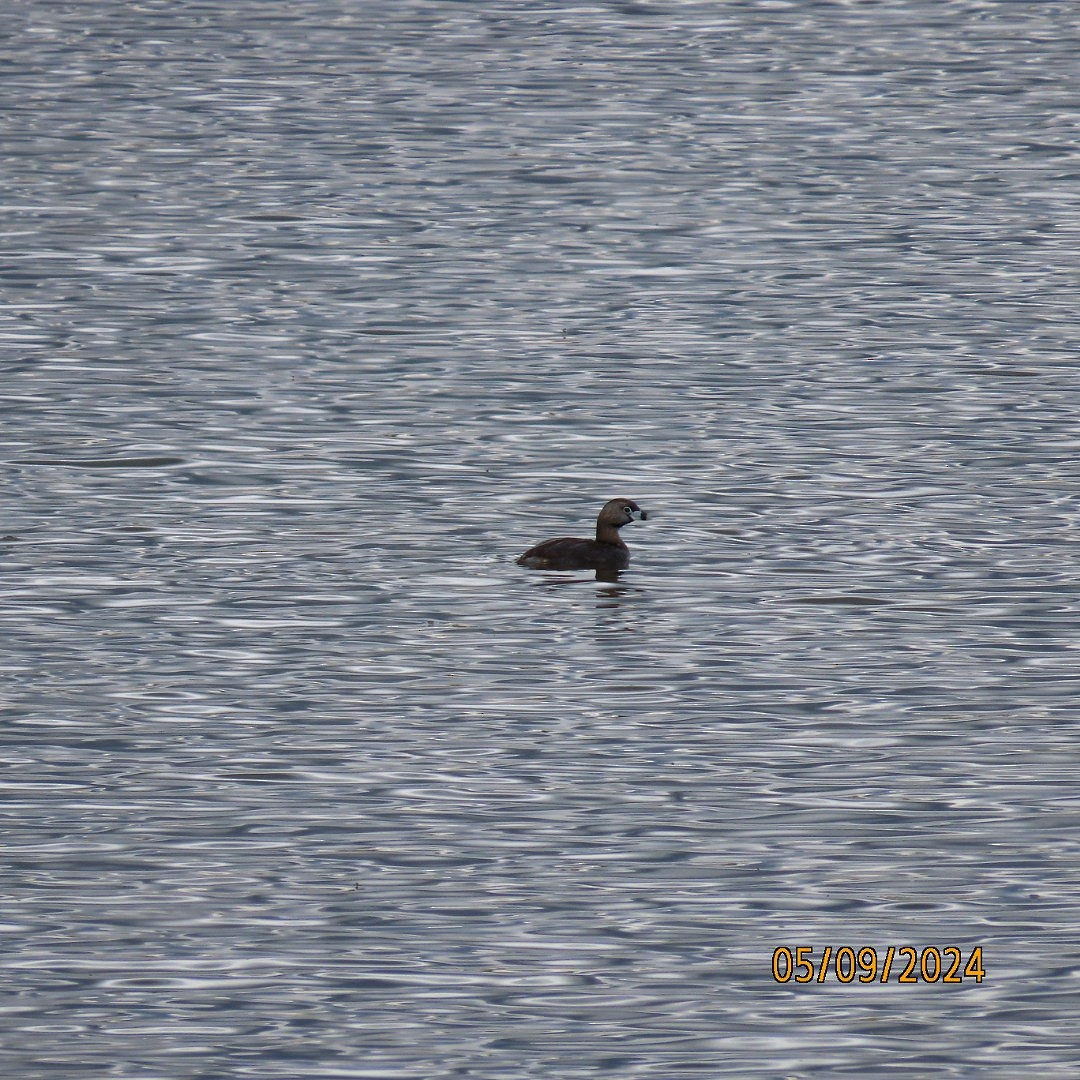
[607, 552]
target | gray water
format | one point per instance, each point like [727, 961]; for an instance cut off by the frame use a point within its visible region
[315, 316]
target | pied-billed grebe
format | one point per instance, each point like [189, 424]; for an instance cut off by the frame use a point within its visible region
[606, 552]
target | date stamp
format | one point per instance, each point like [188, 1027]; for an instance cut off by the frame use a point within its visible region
[905, 964]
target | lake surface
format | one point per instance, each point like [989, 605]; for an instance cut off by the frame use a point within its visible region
[315, 316]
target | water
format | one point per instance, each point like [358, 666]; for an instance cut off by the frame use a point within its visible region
[316, 316]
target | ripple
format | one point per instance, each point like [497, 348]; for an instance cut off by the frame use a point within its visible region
[314, 339]
[105, 463]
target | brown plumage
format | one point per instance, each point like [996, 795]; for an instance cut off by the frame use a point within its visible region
[606, 552]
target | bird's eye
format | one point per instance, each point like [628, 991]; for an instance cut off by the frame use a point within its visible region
[627, 510]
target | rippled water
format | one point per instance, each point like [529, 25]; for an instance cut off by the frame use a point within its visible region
[318, 314]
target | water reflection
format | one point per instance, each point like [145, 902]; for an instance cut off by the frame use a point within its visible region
[301, 335]
[602, 574]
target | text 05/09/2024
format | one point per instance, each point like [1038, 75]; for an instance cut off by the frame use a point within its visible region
[868, 964]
